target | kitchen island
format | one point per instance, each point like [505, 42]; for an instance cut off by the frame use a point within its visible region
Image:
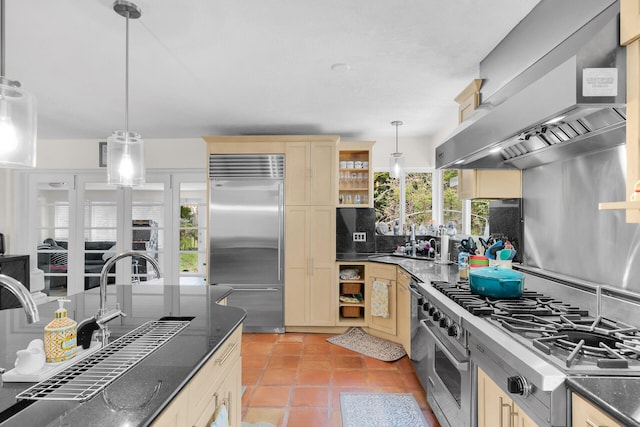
[142, 393]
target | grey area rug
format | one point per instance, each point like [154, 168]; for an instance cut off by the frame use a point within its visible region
[381, 410]
[359, 341]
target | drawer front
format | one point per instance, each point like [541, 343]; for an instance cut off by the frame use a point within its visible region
[203, 386]
[382, 271]
[403, 278]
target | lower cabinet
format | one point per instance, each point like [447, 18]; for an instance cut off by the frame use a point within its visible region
[584, 414]
[218, 382]
[403, 320]
[383, 274]
[495, 407]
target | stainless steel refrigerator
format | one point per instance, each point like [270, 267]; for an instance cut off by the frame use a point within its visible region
[246, 235]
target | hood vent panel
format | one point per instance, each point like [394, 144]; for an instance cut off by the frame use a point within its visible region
[601, 122]
[543, 115]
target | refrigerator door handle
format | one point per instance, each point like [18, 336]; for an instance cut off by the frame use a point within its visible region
[280, 227]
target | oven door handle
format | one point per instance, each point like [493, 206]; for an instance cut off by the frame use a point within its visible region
[460, 366]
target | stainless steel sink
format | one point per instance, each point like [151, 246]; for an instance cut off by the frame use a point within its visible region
[84, 379]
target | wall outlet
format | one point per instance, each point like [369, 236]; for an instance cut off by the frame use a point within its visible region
[360, 237]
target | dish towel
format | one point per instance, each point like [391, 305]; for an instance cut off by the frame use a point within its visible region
[380, 299]
[221, 417]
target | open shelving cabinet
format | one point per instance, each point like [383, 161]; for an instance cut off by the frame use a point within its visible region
[355, 174]
[351, 287]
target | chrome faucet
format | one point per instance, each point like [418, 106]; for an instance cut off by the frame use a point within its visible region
[24, 296]
[105, 315]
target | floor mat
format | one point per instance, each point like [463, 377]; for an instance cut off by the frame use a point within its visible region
[361, 342]
[381, 410]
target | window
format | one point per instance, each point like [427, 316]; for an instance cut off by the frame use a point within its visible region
[420, 201]
[395, 208]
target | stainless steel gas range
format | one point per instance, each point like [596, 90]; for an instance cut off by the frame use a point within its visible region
[528, 346]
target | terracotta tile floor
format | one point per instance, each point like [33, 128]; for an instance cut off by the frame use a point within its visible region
[295, 380]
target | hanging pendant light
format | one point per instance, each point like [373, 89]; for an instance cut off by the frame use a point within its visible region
[18, 117]
[125, 149]
[396, 161]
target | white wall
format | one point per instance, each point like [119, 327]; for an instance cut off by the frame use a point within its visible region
[159, 153]
[418, 152]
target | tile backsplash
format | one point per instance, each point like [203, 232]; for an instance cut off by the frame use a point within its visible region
[355, 220]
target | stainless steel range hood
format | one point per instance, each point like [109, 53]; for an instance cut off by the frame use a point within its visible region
[570, 102]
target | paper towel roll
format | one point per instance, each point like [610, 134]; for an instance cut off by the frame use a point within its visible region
[444, 248]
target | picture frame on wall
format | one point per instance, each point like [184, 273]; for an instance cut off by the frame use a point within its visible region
[102, 154]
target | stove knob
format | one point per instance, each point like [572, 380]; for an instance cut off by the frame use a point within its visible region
[518, 385]
[432, 309]
[436, 315]
[445, 322]
[453, 331]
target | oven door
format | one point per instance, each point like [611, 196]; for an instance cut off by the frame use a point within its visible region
[448, 381]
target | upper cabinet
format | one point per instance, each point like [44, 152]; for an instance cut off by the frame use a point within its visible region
[484, 183]
[355, 174]
[629, 21]
[489, 184]
[309, 178]
[630, 37]
[468, 100]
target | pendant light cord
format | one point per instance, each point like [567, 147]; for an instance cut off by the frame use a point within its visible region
[397, 137]
[126, 81]
[2, 38]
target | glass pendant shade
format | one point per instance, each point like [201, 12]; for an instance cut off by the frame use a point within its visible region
[18, 126]
[396, 165]
[125, 159]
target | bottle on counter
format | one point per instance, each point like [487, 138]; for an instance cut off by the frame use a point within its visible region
[60, 335]
[463, 265]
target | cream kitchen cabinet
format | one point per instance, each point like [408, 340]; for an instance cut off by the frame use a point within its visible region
[489, 184]
[584, 414]
[310, 172]
[385, 273]
[355, 174]
[309, 264]
[217, 382]
[404, 310]
[495, 407]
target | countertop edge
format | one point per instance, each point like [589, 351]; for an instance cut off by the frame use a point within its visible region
[199, 366]
[574, 385]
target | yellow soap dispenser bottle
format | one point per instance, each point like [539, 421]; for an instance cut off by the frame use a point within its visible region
[60, 336]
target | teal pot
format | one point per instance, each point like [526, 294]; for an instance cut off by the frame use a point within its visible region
[496, 282]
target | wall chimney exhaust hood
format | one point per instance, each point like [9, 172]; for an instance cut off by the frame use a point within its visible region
[570, 102]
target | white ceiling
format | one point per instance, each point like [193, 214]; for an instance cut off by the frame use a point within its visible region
[206, 67]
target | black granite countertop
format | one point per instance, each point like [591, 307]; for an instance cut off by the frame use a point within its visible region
[129, 400]
[617, 396]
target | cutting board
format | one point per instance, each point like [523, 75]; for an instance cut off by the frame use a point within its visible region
[49, 369]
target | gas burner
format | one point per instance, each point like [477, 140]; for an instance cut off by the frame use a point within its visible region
[530, 303]
[611, 344]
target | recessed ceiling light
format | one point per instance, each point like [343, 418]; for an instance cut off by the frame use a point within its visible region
[340, 67]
